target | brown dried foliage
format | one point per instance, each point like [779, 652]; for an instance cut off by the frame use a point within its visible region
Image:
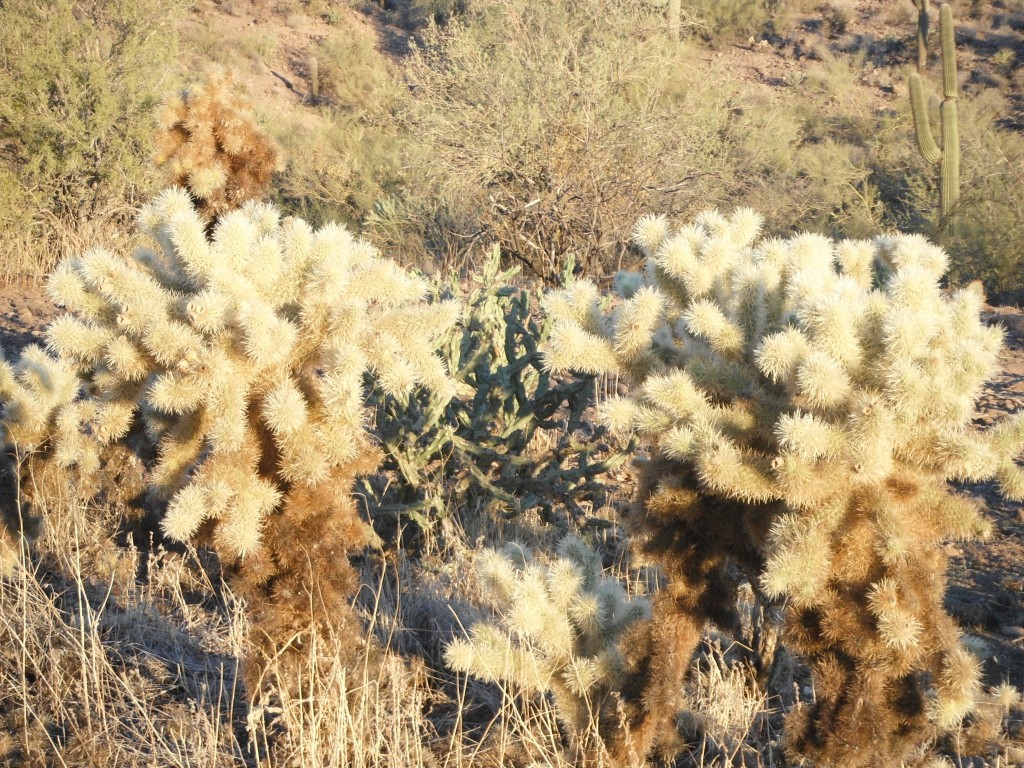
[213, 147]
[696, 540]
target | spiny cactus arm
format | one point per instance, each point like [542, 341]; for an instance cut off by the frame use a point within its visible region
[490, 655]
[800, 559]
[899, 627]
[571, 348]
[634, 323]
[950, 168]
[179, 448]
[77, 341]
[66, 289]
[922, 127]
[948, 41]
[957, 688]
[809, 437]
[41, 386]
[186, 257]
[239, 529]
[736, 473]
[532, 615]
[706, 320]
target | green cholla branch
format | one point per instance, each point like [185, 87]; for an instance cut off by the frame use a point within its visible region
[807, 402]
[241, 356]
[948, 156]
[558, 628]
[485, 441]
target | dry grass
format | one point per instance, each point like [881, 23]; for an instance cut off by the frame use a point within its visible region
[117, 656]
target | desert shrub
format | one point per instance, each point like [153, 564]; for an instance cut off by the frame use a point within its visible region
[415, 15]
[345, 158]
[514, 439]
[79, 83]
[731, 20]
[548, 125]
[836, 16]
[807, 403]
[240, 356]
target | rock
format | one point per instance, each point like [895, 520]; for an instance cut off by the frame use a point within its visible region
[1011, 631]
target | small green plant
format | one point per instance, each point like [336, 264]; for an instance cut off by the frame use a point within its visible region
[557, 632]
[807, 403]
[947, 157]
[512, 437]
[1005, 61]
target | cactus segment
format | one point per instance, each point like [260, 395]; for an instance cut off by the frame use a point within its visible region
[948, 156]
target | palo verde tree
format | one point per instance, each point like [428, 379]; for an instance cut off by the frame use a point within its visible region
[807, 403]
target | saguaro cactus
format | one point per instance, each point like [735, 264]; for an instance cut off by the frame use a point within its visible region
[922, 34]
[674, 18]
[314, 79]
[948, 155]
[807, 402]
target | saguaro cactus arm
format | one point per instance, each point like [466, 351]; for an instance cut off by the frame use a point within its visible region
[948, 155]
[922, 34]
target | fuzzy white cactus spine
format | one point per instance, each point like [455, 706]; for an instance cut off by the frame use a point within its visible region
[557, 629]
[241, 354]
[818, 396]
[264, 328]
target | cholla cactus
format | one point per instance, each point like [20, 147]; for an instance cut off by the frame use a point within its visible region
[244, 354]
[43, 432]
[214, 148]
[484, 442]
[807, 402]
[559, 625]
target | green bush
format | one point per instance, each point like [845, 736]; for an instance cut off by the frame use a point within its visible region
[514, 439]
[79, 82]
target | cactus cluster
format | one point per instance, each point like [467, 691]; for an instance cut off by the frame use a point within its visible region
[807, 402]
[484, 443]
[241, 357]
[947, 157]
[557, 630]
[213, 147]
